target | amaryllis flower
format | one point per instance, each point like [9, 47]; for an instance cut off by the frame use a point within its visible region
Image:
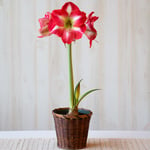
[46, 24]
[70, 22]
[91, 32]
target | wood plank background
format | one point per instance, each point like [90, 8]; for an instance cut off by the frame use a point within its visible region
[34, 72]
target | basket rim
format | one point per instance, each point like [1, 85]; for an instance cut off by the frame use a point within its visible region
[66, 116]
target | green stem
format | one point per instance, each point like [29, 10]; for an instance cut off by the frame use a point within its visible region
[71, 81]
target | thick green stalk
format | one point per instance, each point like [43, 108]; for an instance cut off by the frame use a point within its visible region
[71, 81]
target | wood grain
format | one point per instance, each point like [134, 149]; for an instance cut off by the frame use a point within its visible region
[34, 72]
[92, 144]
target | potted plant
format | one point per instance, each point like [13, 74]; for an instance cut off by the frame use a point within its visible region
[70, 23]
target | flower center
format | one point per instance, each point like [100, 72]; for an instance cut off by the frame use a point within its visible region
[68, 23]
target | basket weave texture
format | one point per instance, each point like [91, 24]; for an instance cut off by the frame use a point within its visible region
[71, 132]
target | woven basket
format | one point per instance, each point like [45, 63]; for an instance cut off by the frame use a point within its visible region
[71, 132]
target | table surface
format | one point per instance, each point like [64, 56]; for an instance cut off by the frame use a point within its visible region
[97, 140]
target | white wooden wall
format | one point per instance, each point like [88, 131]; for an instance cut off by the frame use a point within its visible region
[34, 72]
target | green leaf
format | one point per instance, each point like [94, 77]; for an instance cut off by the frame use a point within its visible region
[77, 92]
[85, 94]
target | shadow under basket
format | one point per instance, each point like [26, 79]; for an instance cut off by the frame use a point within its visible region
[72, 132]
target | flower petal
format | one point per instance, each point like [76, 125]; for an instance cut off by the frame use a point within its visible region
[58, 31]
[48, 15]
[67, 37]
[43, 22]
[59, 16]
[51, 24]
[78, 32]
[82, 28]
[46, 24]
[44, 31]
[69, 7]
[91, 32]
[73, 34]
[78, 18]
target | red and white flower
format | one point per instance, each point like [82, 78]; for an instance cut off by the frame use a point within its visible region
[69, 23]
[91, 32]
[46, 25]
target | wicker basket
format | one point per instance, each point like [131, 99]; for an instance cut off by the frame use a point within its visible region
[71, 132]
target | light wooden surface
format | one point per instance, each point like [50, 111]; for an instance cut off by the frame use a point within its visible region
[97, 140]
[34, 72]
[92, 144]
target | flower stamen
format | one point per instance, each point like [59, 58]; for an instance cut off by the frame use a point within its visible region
[68, 23]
